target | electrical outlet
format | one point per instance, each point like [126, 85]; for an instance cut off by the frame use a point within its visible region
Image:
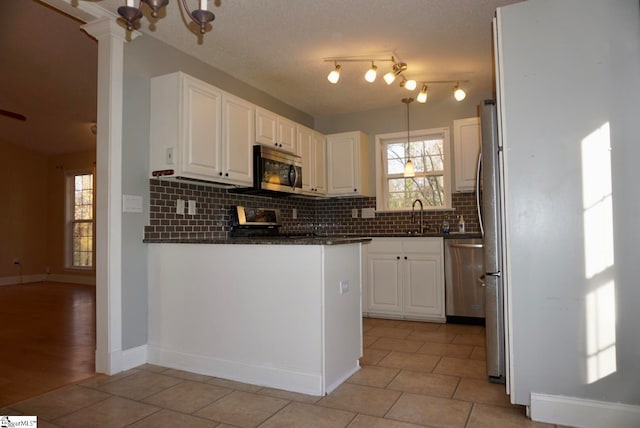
[180, 206]
[16, 261]
[192, 207]
[354, 213]
[170, 156]
[294, 214]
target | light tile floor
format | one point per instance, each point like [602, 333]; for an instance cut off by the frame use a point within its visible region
[413, 374]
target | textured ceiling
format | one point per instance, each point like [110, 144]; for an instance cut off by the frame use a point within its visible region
[277, 46]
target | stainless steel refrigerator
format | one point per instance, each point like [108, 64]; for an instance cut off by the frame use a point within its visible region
[490, 214]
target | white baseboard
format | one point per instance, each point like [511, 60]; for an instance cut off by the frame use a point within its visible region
[134, 357]
[272, 377]
[27, 279]
[579, 412]
[72, 279]
[328, 389]
[24, 279]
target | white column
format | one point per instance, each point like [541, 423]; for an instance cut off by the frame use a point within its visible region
[111, 38]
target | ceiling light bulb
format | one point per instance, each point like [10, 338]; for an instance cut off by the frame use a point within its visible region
[370, 75]
[410, 85]
[459, 94]
[422, 96]
[389, 77]
[334, 76]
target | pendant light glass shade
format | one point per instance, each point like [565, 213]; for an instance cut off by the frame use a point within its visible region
[409, 171]
[334, 76]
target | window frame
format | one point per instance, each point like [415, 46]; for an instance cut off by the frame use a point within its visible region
[382, 194]
[70, 221]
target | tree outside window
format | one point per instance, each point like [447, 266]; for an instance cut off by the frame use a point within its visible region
[80, 220]
[428, 151]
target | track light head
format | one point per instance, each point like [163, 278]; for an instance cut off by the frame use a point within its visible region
[334, 76]
[370, 75]
[422, 96]
[458, 93]
[398, 68]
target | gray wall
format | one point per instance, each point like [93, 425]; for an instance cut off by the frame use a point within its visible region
[146, 57]
[567, 74]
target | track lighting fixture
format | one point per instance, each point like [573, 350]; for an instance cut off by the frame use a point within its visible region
[131, 14]
[458, 94]
[334, 76]
[397, 69]
[370, 75]
[422, 96]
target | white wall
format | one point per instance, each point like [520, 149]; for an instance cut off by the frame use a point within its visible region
[570, 70]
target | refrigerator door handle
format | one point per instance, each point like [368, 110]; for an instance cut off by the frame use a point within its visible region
[498, 273]
[478, 207]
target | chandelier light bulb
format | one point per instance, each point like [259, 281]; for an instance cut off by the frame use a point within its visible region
[370, 75]
[334, 76]
[410, 85]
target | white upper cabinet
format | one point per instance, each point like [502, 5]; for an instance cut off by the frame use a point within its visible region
[276, 131]
[313, 152]
[466, 145]
[200, 132]
[238, 133]
[348, 164]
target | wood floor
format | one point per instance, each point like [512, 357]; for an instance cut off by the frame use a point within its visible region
[47, 338]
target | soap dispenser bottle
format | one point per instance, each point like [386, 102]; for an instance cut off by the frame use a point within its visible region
[461, 225]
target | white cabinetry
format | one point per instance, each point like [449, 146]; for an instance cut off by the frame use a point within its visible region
[275, 131]
[348, 164]
[405, 278]
[313, 152]
[466, 144]
[199, 131]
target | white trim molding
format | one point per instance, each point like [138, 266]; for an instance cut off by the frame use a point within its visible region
[580, 412]
[134, 357]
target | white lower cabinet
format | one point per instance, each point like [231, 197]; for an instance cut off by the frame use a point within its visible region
[405, 278]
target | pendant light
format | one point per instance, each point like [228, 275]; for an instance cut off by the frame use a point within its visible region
[370, 75]
[334, 76]
[409, 171]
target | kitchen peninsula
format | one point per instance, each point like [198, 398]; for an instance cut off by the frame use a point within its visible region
[285, 315]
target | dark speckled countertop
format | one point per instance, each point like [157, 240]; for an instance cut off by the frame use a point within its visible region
[308, 240]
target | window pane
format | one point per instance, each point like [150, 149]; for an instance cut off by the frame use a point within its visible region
[428, 155]
[82, 244]
[403, 191]
[396, 158]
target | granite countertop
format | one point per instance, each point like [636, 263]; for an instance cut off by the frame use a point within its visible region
[274, 240]
[309, 240]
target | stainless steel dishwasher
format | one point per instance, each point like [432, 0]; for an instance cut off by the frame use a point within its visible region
[464, 294]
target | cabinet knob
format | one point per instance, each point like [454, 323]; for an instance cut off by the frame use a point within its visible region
[398, 258]
[355, 190]
[220, 173]
[405, 257]
[226, 174]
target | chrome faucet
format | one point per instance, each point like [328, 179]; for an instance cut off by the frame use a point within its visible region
[413, 206]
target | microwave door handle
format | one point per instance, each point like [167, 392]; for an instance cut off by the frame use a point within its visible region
[292, 176]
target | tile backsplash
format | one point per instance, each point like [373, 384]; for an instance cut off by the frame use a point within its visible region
[323, 216]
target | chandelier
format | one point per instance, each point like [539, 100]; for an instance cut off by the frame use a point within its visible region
[397, 70]
[131, 14]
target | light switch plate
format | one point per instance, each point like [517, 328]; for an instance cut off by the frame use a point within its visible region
[344, 286]
[368, 213]
[354, 213]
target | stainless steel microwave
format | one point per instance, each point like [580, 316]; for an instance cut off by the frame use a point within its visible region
[277, 171]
